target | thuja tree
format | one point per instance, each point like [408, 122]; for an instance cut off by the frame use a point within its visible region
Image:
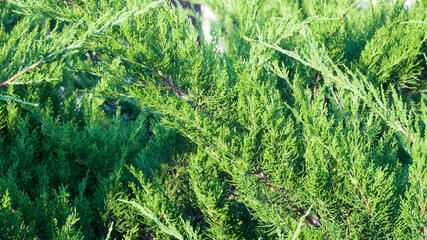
[298, 119]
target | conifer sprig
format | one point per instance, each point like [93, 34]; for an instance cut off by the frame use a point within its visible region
[299, 119]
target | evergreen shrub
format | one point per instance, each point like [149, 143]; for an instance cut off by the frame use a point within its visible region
[297, 120]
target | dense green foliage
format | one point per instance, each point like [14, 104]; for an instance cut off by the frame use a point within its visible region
[119, 120]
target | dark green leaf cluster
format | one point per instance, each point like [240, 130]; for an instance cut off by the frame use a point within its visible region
[297, 120]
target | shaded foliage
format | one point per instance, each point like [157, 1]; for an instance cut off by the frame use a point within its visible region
[299, 119]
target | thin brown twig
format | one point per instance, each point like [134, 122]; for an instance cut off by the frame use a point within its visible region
[339, 106]
[364, 199]
[211, 213]
[312, 221]
[315, 84]
[213, 217]
[348, 224]
[71, 4]
[231, 192]
[35, 235]
[403, 131]
[168, 82]
[177, 175]
[417, 91]
[424, 216]
[179, 93]
[19, 73]
[84, 164]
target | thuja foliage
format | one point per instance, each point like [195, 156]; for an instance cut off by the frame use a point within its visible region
[297, 120]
